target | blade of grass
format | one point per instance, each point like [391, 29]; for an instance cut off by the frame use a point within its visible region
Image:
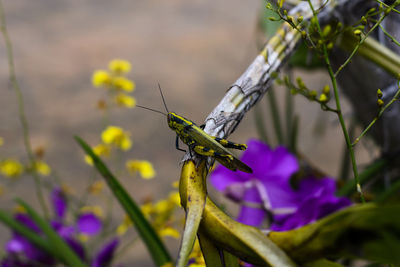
[275, 115]
[153, 242]
[260, 125]
[33, 237]
[59, 248]
[349, 188]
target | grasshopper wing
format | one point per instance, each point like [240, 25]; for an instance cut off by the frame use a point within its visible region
[203, 139]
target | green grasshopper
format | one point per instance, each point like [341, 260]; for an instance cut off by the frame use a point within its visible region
[202, 143]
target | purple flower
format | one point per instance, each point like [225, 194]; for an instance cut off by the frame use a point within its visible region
[23, 253]
[105, 254]
[267, 191]
[89, 224]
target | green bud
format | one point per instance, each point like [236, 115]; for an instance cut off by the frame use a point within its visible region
[312, 94]
[273, 19]
[300, 83]
[303, 34]
[290, 19]
[379, 93]
[329, 46]
[363, 20]
[286, 80]
[327, 30]
[357, 32]
[285, 12]
[274, 75]
[326, 90]
[293, 91]
[300, 19]
[380, 103]
[269, 6]
[372, 10]
[388, 10]
[323, 98]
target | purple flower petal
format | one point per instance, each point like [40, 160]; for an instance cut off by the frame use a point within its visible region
[76, 247]
[59, 202]
[89, 224]
[105, 255]
[27, 221]
[250, 215]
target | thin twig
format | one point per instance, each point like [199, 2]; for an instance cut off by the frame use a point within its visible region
[21, 110]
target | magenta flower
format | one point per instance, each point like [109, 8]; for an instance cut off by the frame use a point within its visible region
[267, 191]
[21, 253]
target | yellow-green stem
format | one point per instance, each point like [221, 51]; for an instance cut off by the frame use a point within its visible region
[21, 111]
[339, 109]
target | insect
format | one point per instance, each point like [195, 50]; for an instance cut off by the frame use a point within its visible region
[202, 143]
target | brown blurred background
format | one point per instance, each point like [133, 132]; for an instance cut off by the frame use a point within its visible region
[194, 49]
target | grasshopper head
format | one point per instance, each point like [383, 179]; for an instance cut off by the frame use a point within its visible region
[171, 118]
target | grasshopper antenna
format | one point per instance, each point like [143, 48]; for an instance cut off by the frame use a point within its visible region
[163, 100]
[154, 110]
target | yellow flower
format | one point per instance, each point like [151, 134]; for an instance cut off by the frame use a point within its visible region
[175, 198]
[144, 167]
[197, 256]
[124, 100]
[101, 78]
[96, 187]
[42, 168]
[99, 150]
[11, 168]
[147, 209]
[119, 66]
[83, 237]
[124, 84]
[96, 210]
[169, 231]
[1, 141]
[116, 136]
[19, 209]
[124, 226]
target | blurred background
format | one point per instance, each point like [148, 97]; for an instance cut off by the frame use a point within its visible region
[194, 49]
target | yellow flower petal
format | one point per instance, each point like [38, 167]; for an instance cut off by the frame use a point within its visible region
[124, 226]
[119, 66]
[124, 100]
[11, 168]
[101, 78]
[99, 150]
[117, 137]
[42, 168]
[96, 210]
[175, 198]
[96, 187]
[124, 84]
[144, 167]
[169, 231]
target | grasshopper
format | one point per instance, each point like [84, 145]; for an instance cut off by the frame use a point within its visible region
[200, 142]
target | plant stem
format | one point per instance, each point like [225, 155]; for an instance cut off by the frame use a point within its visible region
[275, 116]
[395, 97]
[21, 110]
[364, 37]
[339, 109]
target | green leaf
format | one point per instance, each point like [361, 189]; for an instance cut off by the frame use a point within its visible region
[33, 237]
[193, 192]
[59, 248]
[366, 231]
[153, 242]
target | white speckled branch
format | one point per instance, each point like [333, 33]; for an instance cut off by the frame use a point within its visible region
[256, 80]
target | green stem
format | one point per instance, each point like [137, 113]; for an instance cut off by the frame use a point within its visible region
[21, 111]
[260, 125]
[339, 109]
[275, 115]
[289, 115]
[396, 97]
[364, 37]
